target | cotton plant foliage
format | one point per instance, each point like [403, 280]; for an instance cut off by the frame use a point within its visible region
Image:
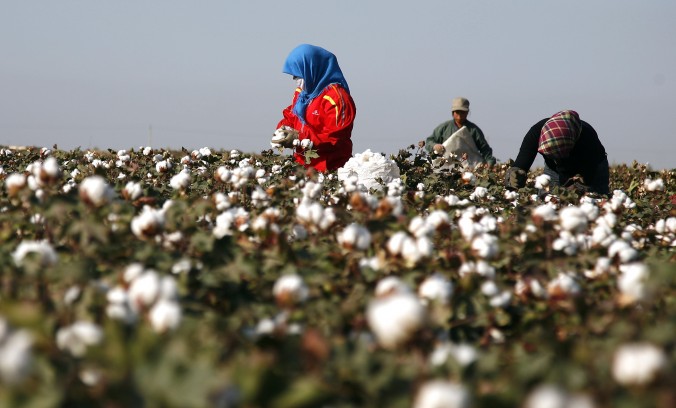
[205, 277]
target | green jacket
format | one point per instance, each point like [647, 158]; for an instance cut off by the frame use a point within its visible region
[446, 129]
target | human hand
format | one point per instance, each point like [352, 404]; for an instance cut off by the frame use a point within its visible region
[284, 137]
[515, 178]
[438, 149]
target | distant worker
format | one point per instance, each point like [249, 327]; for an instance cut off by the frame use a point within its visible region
[574, 156]
[322, 111]
[460, 110]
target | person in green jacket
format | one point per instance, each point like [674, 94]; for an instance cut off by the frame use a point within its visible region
[460, 110]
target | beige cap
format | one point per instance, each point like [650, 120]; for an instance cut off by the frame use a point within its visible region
[460, 104]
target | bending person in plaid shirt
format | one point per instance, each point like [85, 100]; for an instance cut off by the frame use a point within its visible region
[574, 156]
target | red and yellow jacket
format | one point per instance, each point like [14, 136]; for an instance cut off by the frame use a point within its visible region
[329, 119]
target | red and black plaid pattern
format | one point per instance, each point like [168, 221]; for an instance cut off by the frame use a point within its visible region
[559, 134]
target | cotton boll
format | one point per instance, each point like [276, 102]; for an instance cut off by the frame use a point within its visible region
[390, 285]
[132, 190]
[442, 394]
[290, 290]
[638, 364]
[653, 185]
[16, 357]
[180, 181]
[542, 181]
[553, 396]
[631, 281]
[622, 250]
[144, 290]
[395, 319]
[485, 246]
[436, 288]
[545, 212]
[563, 286]
[95, 191]
[354, 236]
[14, 183]
[165, 315]
[396, 242]
[148, 224]
[573, 219]
[76, 338]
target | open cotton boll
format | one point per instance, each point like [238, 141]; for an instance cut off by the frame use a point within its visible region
[631, 281]
[573, 219]
[436, 288]
[149, 223]
[43, 250]
[637, 364]
[485, 246]
[95, 191]
[180, 181]
[77, 337]
[165, 315]
[354, 236]
[390, 285]
[563, 286]
[653, 185]
[395, 319]
[369, 167]
[442, 394]
[290, 290]
[542, 181]
[16, 357]
[553, 396]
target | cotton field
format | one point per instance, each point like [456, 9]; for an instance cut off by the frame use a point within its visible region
[205, 278]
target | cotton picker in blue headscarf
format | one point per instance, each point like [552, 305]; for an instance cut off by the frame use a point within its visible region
[321, 115]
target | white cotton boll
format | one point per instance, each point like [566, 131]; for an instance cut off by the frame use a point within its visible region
[511, 195]
[181, 181]
[438, 219]
[424, 246]
[298, 232]
[43, 250]
[601, 268]
[637, 364]
[590, 210]
[467, 268]
[653, 185]
[479, 194]
[354, 236]
[485, 269]
[564, 285]
[390, 285]
[374, 262]
[410, 251]
[149, 223]
[144, 290]
[396, 242]
[165, 315]
[163, 166]
[72, 295]
[290, 290]
[119, 307]
[468, 228]
[442, 394]
[566, 243]
[229, 221]
[132, 271]
[436, 288]
[395, 319]
[76, 338]
[485, 246]
[545, 212]
[132, 190]
[631, 281]
[95, 191]
[549, 396]
[501, 300]
[14, 183]
[573, 219]
[418, 227]
[16, 357]
[468, 178]
[622, 250]
[327, 220]
[168, 288]
[489, 288]
[542, 181]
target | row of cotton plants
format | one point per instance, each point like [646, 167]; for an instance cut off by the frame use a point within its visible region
[218, 278]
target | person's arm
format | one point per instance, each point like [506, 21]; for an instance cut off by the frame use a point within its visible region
[529, 147]
[483, 146]
[288, 117]
[437, 137]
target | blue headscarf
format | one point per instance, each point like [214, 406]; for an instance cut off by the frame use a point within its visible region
[318, 68]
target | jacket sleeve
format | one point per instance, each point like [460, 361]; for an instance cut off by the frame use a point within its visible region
[437, 137]
[529, 147]
[483, 146]
[288, 117]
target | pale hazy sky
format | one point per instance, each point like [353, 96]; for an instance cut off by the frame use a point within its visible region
[208, 73]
